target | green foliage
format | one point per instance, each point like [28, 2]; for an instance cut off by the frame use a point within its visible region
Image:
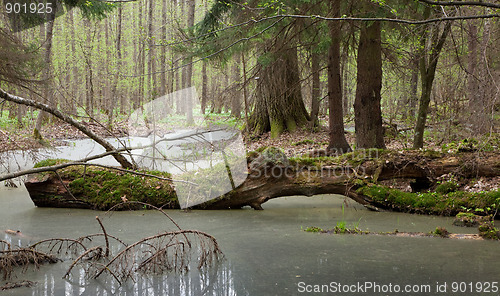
[470, 219]
[92, 9]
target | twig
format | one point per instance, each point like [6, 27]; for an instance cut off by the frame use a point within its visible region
[96, 248]
[106, 254]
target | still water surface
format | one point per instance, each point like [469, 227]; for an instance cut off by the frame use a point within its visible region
[266, 251]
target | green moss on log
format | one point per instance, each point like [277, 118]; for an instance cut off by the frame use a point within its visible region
[449, 204]
[353, 159]
[50, 162]
[104, 188]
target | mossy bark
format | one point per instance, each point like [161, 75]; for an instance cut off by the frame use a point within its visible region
[272, 175]
[279, 105]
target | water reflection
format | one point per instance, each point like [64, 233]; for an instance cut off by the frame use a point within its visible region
[218, 280]
[266, 251]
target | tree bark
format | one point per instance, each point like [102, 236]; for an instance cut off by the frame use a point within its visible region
[428, 63]
[163, 54]
[236, 93]
[315, 91]
[367, 110]
[272, 178]
[279, 105]
[47, 71]
[152, 84]
[337, 141]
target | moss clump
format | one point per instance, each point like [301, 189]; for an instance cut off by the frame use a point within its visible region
[488, 231]
[313, 229]
[470, 219]
[104, 188]
[50, 162]
[441, 232]
[446, 187]
[305, 161]
[432, 153]
[432, 202]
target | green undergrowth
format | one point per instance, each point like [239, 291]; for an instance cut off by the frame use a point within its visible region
[105, 188]
[448, 204]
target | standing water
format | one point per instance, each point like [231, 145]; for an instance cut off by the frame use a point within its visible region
[267, 252]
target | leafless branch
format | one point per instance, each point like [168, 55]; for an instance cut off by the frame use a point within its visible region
[461, 3]
[282, 17]
[44, 107]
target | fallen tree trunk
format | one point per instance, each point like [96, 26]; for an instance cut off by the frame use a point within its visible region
[272, 175]
[337, 175]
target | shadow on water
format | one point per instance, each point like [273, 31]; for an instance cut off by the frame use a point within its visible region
[266, 252]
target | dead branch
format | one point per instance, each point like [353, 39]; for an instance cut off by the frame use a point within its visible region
[85, 161]
[20, 284]
[167, 251]
[106, 254]
[107, 146]
[97, 250]
[22, 257]
[168, 254]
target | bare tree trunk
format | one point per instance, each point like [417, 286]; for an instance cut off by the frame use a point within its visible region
[204, 87]
[236, 97]
[279, 104]
[142, 60]
[189, 67]
[114, 93]
[345, 83]
[337, 141]
[163, 54]
[412, 106]
[151, 53]
[245, 97]
[89, 99]
[47, 96]
[428, 63]
[368, 114]
[315, 92]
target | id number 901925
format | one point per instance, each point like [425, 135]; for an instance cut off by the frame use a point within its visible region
[17, 8]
